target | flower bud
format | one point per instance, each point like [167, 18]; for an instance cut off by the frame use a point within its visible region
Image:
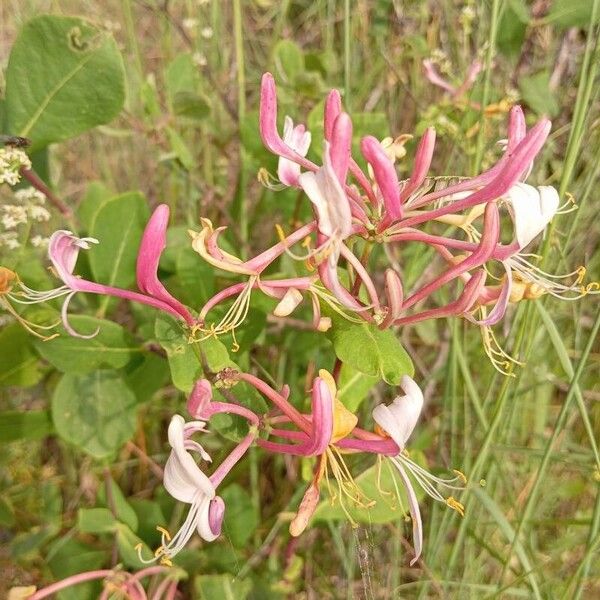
[306, 510]
[200, 398]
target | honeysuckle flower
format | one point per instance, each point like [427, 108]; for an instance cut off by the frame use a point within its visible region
[63, 251]
[298, 139]
[187, 482]
[398, 420]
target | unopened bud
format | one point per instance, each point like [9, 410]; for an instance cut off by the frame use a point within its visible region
[216, 512]
[307, 507]
[200, 398]
[7, 277]
[324, 324]
[21, 592]
[288, 303]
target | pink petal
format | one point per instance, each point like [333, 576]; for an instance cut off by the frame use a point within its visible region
[154, 241]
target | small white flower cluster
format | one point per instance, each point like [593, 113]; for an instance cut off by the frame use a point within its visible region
[9, 239]
[12, 160]
[29, 206]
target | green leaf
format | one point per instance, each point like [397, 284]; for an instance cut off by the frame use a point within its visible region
[354, 387]
[95, 520]
[127, 542]
[511, 31]
[369, 350]
[536, 92]
[386, 507]
[181, 75]
[110, 349]
[191, 105]
[18, 363]
[95, 412]
[96, 195]
[183, 362]
[118, 227]
[223, 587]
[149, 515]
[27, 425]
[181, 150]
[119, 503]
[64, 77]
[241, 517]
[289, 60]
[146, 375]
[574, 13]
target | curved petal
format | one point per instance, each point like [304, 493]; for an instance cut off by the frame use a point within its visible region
[324, 190]
[415, 514]
[183, 478]
[154, 241]
[63, 250]
[400, 417]
[531, 210]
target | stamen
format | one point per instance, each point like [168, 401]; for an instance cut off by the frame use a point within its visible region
[233, 318]
[456, 505]
[269, 181]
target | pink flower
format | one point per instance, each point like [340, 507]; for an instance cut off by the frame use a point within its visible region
[63, 251]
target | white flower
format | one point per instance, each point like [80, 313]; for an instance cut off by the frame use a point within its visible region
[29, 195]
[38, 213]
[531, 210]
[398, 420]
[38, 241]
[184, 480]
[298, 139]
[323, 188]
[190, 23]
[207, 33]
[9, 239]
[199, 59]
[400, 417]
[12, 160]
[13, 215]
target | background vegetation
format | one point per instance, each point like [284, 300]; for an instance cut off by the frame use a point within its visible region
[187, 135]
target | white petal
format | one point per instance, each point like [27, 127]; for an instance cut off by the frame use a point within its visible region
[288, 172]
[415, 514]
[401, 416]
[182, 477]
[532, 209]
[326, 193]
[288, 303]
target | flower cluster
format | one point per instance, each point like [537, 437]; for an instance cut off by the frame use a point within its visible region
[354, 210]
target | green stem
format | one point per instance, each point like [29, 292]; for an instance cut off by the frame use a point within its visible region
[486, 82]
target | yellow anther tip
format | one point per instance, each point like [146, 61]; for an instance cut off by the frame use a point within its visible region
[460, 475]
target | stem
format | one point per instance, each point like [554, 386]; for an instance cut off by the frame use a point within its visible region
[486, 82]
[347, 57]
[69, 581]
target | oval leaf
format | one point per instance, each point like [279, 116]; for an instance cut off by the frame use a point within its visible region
[64, 77]
[110, 349]
[370, 350]
[95, 412]
[118, 227]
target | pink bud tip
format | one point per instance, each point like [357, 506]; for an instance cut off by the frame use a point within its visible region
[333, 107]
[200, 398]
[216, 512]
